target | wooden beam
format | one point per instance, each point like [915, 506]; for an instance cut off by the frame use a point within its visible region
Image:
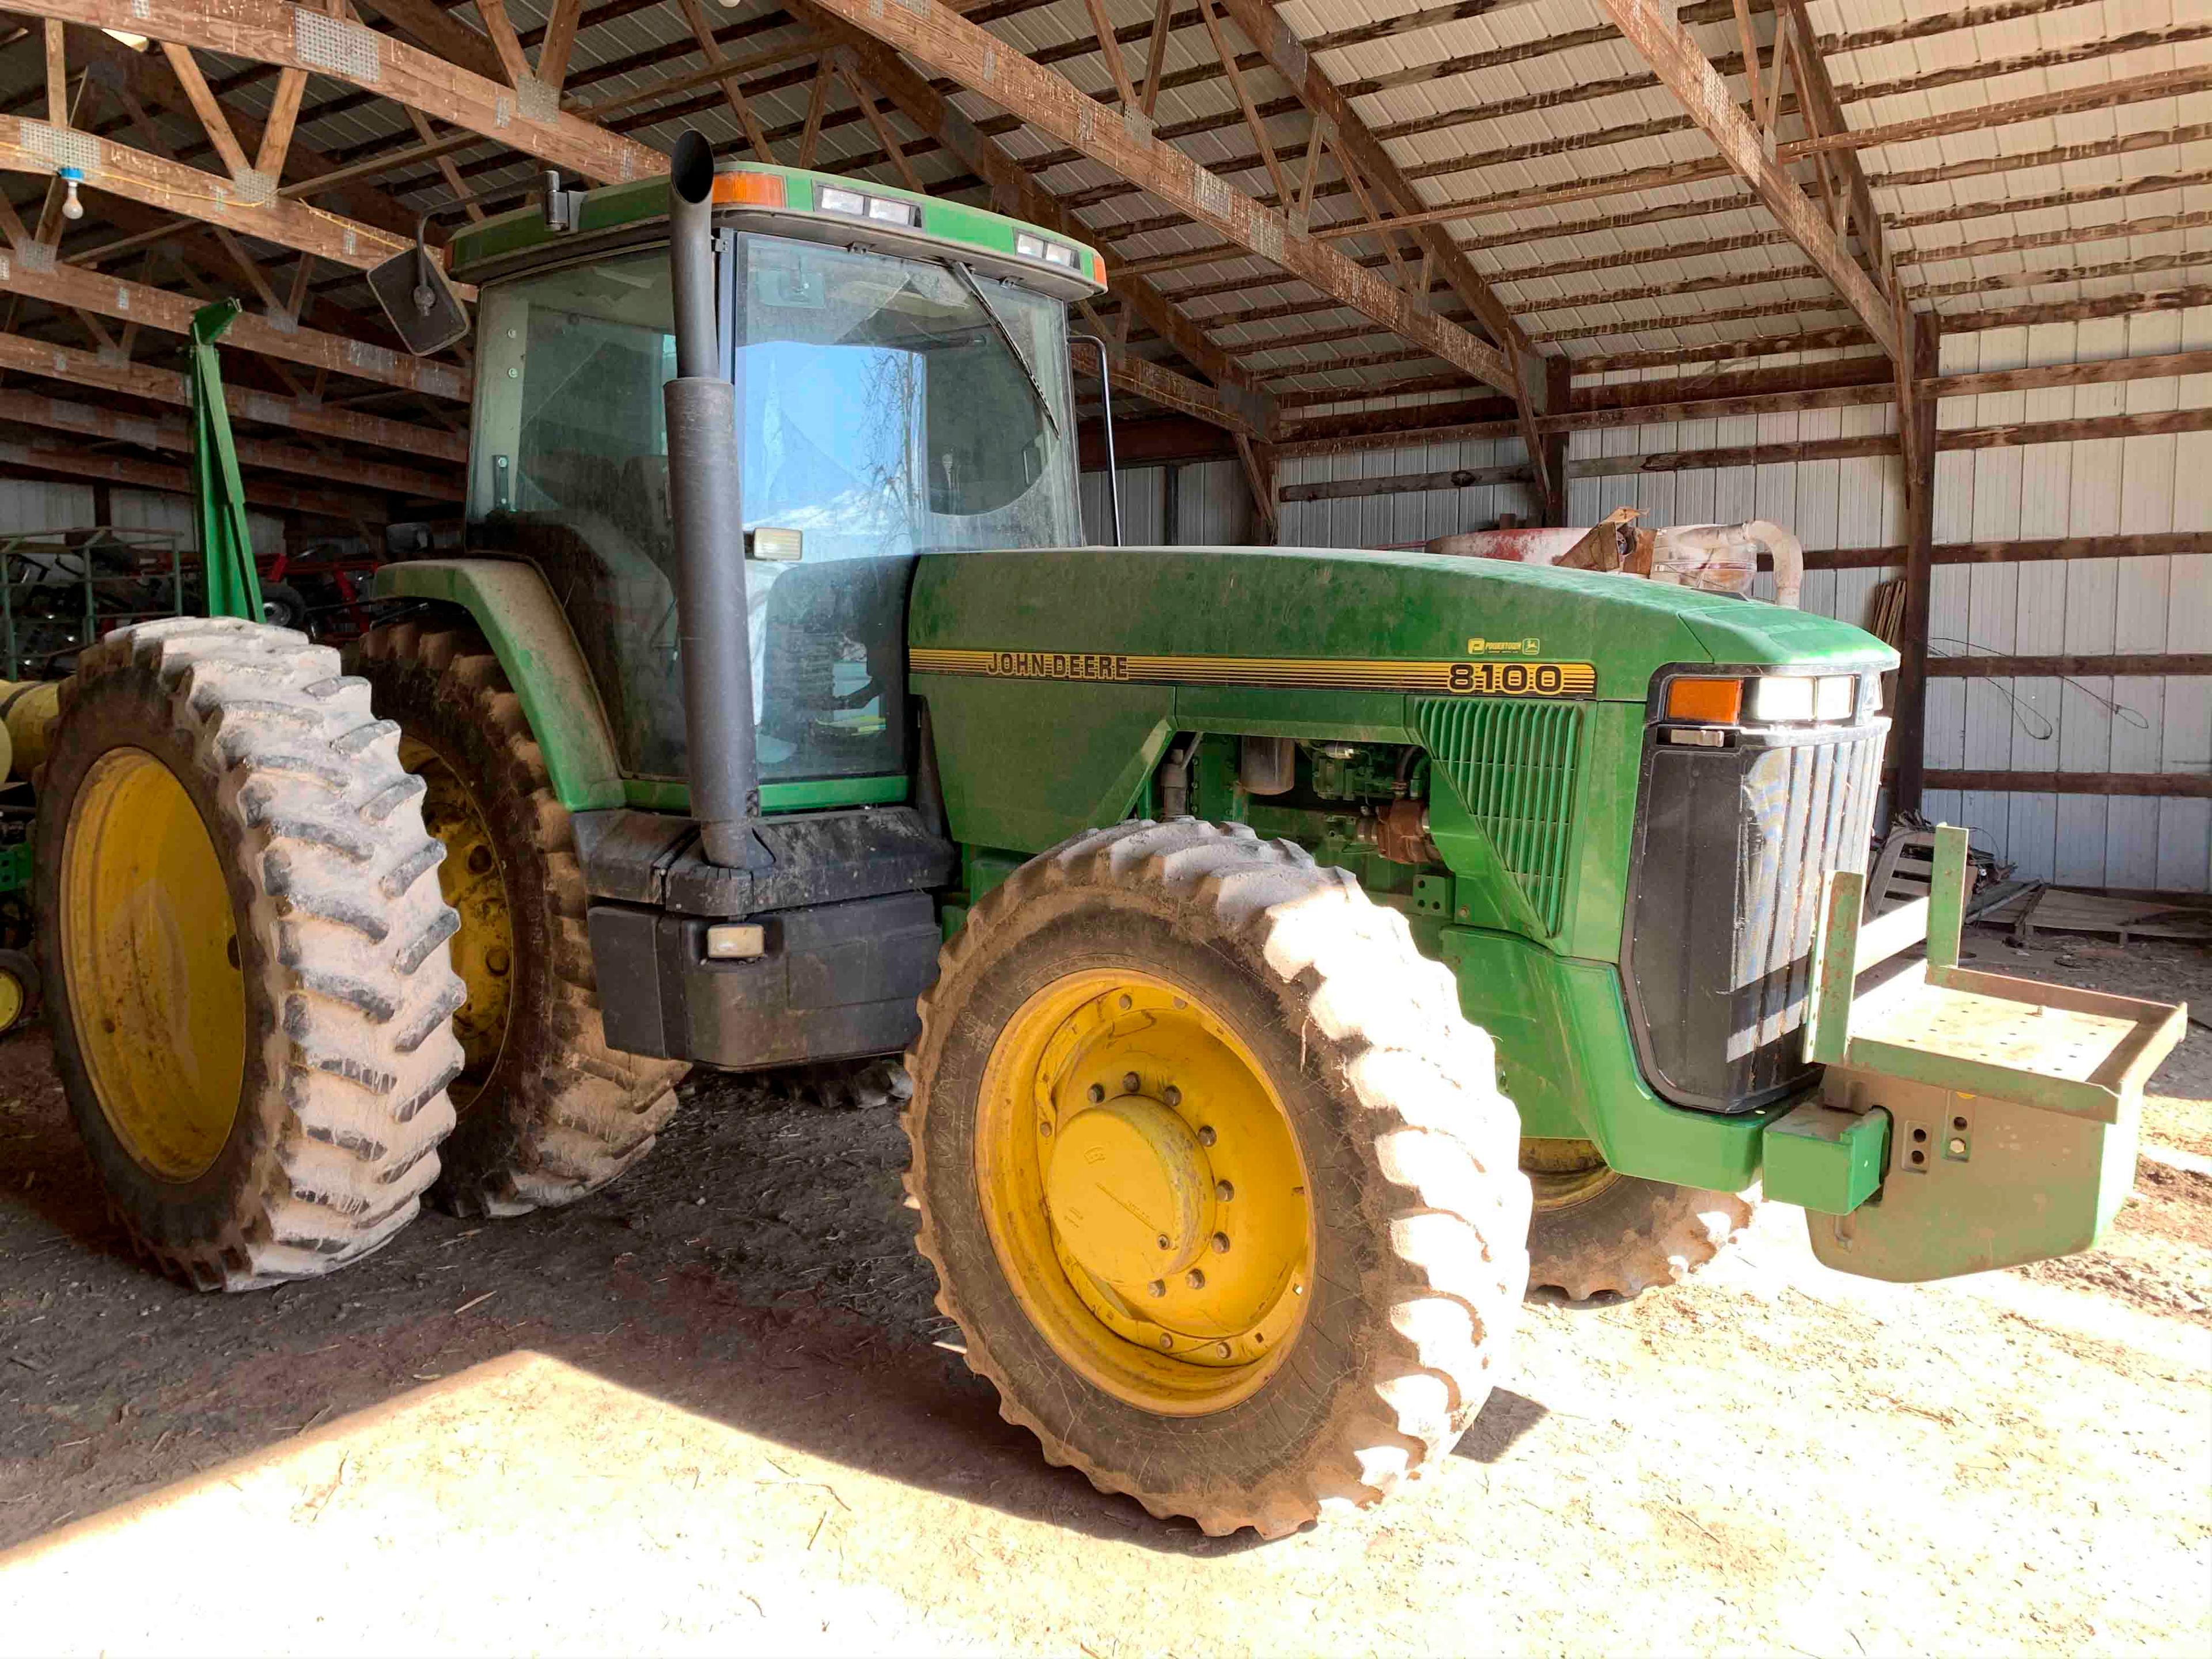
[703, 32]
[1908, 734]
[284, 115]
[2103, 372]
[444, 35]
[74, 461]
[1364, 154]
[948, 43]
[501, 28]
[1156, 50]
[2151, 665]
[112, 426]
[1111, 49]
[1683, 67]
[864, 96]
[560, 37]
[57, 99]
[2170, 786]
[72, 286]
[1824, 113]
[213, 122]
[163, 385]
[1252, 120]
[1014, 191]
[301, 37]
[2158, 546]
[30, 146]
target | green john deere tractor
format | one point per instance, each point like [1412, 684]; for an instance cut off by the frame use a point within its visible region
[1265, 930]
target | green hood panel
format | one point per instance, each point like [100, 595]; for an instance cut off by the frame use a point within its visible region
[1258, 603]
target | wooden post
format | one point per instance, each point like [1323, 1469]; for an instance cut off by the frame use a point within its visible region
[1559, 393]
[1917, 421]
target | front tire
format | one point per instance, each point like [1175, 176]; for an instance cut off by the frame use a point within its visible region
[1238, 1048]
[548, 1112]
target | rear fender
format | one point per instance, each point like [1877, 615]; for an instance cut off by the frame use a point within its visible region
[513, 605]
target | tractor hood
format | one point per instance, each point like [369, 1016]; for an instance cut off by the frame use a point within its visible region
[1344, 619]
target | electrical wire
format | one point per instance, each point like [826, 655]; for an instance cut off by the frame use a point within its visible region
[2021, 711]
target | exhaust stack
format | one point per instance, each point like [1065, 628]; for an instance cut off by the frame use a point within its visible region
[706, 507]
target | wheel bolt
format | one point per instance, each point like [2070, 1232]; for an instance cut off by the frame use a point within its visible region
[1130, 1083]
[1205, 1134]
[1223, 1350]
[1195, 1280]
[1224, 1191]
[1044, 1128]
[1163, 1241]
[1166, 1341]
[1172, 1095]
[1157, 1287]
[1098, 1092]
[1125, 1004]
[1221, 1243]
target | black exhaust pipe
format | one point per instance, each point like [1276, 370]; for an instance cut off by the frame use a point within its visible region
[706, 507]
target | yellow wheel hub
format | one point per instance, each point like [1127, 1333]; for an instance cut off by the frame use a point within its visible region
[11, 1000]
[472, 882]
[149, 946]
[1144, 1192]
[1562, 1173]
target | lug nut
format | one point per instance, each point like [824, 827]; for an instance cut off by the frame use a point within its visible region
[1195, 1280]
[1098, 1092]
[1224, 1191]
[1172, 1095]
[1223, 1350]
[1205, 1134]
[1221, 1243]
[1044, 1128]
[1157, 1287]
[1163, 1241]
[1957, 1147]
[1166, 1341]
[1130, 1083]
[1125, 1004]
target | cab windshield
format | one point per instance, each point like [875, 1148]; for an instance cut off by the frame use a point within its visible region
[890, 407]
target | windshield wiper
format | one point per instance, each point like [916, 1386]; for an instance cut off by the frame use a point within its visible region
[1036, 387]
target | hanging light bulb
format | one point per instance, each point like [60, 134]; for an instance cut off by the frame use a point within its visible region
[72, 207]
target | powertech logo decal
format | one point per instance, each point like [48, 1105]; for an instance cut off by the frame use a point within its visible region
[1495, 680]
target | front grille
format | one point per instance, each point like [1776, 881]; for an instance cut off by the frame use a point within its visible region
[1732, 846]
[1512, 762]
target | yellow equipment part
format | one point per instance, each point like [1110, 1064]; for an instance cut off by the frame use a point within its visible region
[30, 709]
[1563, 1172]
[1144, 1191]
[149, 945]
[472, 882]
[12, 1000]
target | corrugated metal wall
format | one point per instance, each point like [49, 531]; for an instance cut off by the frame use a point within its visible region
[1211, 507]
[2083, 606]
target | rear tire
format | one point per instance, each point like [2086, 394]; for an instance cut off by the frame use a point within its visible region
[548, 1112]
[244, 951]
[1408, 1191]
[1623, 1235]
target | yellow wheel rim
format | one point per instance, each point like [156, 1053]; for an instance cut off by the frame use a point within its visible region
[1144, 1192]
[11, 1000]
[474, 884]
[149, 946]
[1563, 1173]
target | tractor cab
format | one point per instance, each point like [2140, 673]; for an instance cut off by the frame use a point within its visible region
[902, 381]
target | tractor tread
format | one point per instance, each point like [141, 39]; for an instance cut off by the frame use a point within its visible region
[1438, 1144]
[563, 1114]
[341, 1123]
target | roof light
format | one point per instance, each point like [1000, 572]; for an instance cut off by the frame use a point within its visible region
[1029, 247]
[1060, 254]
[749, 190]
[841, 201]
[1832, 700]
[893, 213]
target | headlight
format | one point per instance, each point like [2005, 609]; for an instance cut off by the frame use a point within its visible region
[1832, 702]
[1777, 697]
[841, 201]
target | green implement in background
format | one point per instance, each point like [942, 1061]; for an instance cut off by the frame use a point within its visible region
[234, 589]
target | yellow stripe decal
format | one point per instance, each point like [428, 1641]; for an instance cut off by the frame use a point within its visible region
[1506, 679]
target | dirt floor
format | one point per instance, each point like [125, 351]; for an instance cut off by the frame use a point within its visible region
[710, 1411]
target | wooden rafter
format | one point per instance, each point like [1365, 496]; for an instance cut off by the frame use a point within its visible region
[954, 47]
[1110, 49]
[1015, 193]
[301, 37]
[1253, 120]
[703, 31]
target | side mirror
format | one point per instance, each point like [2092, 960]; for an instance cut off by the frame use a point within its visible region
[421, 305]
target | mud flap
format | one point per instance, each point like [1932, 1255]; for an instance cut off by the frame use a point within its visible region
[2012, 1105]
